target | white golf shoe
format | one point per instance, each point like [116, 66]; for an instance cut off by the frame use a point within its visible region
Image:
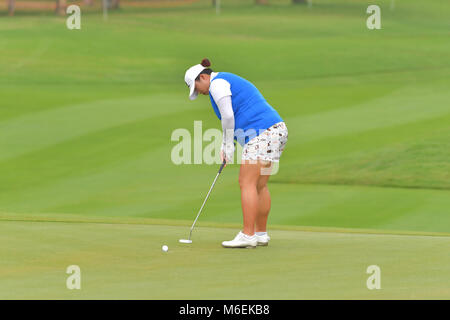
[263, 240]
[241, 241]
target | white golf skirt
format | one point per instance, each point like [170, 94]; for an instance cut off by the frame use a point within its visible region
[267, 146]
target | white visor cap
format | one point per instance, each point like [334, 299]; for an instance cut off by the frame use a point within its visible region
[189, 78]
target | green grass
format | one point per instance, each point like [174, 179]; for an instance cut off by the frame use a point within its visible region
[85, 123]
[120, 261]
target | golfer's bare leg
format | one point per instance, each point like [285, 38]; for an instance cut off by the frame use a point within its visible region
[248, 180]
[264, 198]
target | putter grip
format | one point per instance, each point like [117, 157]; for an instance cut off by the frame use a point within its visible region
[222, 165]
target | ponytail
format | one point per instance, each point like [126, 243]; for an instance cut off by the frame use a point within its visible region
[205, 63]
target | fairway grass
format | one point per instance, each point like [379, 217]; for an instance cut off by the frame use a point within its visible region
[86, 116]
[124, 261]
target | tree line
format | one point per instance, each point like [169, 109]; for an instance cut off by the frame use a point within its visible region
[114, 4]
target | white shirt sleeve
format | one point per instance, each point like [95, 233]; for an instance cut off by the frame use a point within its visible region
[219, 88]
[227, 115]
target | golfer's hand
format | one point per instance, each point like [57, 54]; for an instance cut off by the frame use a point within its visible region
[222, 157]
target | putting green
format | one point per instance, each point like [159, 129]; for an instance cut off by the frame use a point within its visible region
[125, 261]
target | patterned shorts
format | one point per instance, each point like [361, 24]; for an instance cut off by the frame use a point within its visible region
[267, 146]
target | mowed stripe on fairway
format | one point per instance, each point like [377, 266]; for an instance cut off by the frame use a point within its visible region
[294, 204]
[403, 106]
[50, 127]
[126, 261]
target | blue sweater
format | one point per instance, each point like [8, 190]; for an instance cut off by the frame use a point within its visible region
[252, 113]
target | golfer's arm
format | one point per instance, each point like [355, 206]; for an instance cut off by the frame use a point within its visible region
[227, 115]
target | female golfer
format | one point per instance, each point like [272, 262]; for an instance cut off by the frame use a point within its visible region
[247, 118]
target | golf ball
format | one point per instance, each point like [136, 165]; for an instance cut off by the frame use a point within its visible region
[165, 248]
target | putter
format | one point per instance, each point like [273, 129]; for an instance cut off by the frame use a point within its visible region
[188, 240]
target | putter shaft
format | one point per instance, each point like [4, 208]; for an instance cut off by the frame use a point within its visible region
[207, 196]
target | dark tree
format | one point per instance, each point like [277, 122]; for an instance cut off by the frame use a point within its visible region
[11, 7]
[61, 7]
[115, 4]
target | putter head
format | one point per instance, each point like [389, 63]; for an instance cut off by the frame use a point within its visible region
[185, 241]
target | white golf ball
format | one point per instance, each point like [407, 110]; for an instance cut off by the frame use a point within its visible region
[165, 248]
